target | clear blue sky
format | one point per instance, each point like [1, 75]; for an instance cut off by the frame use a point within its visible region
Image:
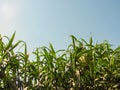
[39, 22]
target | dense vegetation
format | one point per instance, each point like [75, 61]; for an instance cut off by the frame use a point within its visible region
[82, 66]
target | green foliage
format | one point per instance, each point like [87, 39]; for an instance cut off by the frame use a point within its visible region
[82, 66]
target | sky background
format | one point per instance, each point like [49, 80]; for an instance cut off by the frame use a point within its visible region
[39, 22]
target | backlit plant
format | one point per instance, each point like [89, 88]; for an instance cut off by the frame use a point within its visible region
[82, 66]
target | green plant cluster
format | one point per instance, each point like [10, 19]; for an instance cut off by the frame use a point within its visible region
[82, 66]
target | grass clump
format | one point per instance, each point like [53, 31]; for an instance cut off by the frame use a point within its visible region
[82, 66]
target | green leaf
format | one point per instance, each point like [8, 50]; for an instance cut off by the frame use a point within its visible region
[10, 42]
[91, 41]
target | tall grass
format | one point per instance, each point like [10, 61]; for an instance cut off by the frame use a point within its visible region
[82, 66]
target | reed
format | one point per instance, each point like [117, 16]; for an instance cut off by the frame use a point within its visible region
[82, 66]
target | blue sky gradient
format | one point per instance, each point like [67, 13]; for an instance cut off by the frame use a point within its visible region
[39, 22]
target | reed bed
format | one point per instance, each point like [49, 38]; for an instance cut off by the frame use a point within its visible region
[82, 66]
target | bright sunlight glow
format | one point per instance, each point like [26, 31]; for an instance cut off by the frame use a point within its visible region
[7, 11]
